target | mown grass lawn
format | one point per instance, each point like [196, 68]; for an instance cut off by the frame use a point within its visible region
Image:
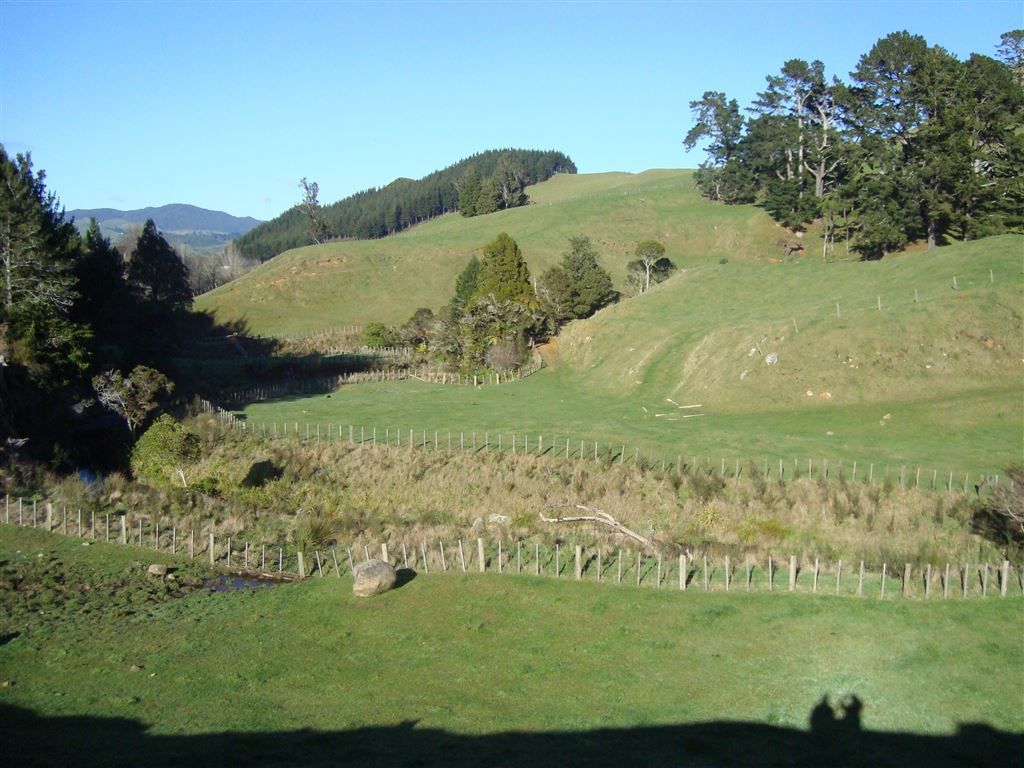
[468, 658]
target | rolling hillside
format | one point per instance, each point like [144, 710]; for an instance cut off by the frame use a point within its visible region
[876, 362]
[355, 282]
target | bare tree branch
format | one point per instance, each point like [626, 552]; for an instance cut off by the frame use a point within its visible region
[595, 516]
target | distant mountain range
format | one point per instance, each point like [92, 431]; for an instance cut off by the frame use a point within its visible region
[198, 228]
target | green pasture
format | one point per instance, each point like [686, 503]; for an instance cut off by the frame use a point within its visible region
[360, 281]
[933, 379]
[507, 669]
[545, 406]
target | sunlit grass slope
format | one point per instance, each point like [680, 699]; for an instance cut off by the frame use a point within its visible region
[935, 382]
[471, 655]
[356, 282]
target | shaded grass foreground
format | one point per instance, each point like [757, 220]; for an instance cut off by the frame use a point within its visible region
[94, 741]
[511, 670]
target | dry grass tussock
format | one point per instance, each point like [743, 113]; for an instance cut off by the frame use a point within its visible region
[272, 492]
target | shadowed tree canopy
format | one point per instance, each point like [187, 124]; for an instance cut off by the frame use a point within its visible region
[38, 249]
[156, 272]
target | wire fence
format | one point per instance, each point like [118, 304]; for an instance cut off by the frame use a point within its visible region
[681, 570]
[568, 448]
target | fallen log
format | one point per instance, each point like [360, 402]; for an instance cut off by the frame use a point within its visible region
[595, 516]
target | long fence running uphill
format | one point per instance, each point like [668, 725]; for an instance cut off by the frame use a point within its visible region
[581, 560]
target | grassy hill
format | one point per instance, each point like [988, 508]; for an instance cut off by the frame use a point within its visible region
[359, 281]
[488, 669]
[878, 362]
[933, 382]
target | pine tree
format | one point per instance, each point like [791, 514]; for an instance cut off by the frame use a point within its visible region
[156, 272]
[469, 192]
[37, 285]
[591, 284]
[503, 272]
[105, 304]
[465, 287]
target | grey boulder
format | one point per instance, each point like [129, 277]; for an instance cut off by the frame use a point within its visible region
[373, 577]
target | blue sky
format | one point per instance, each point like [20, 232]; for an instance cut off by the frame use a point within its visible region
[228, 105]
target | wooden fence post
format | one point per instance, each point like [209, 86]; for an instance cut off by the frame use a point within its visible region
[928, 581]
[682, 572]
[860, 581]
[302, 563]
[444, 561]
[906, 579]
[211, 549]
[814, 586]
[792, 573]
[839, 575]
[124, 529]
[727, 573]
[882, 593]
[579, 565]
[462, 557]
[706, 573]
[334, 557]
[480, 554]
[384, 552]
[1005, 578]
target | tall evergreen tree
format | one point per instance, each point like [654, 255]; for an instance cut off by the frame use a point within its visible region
[556, 297]
[503, 272]
[1010, 51]
[156, 272]
[37, 284]
[591, 284]
[465, 287]
[469, 192]
[105, 304]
